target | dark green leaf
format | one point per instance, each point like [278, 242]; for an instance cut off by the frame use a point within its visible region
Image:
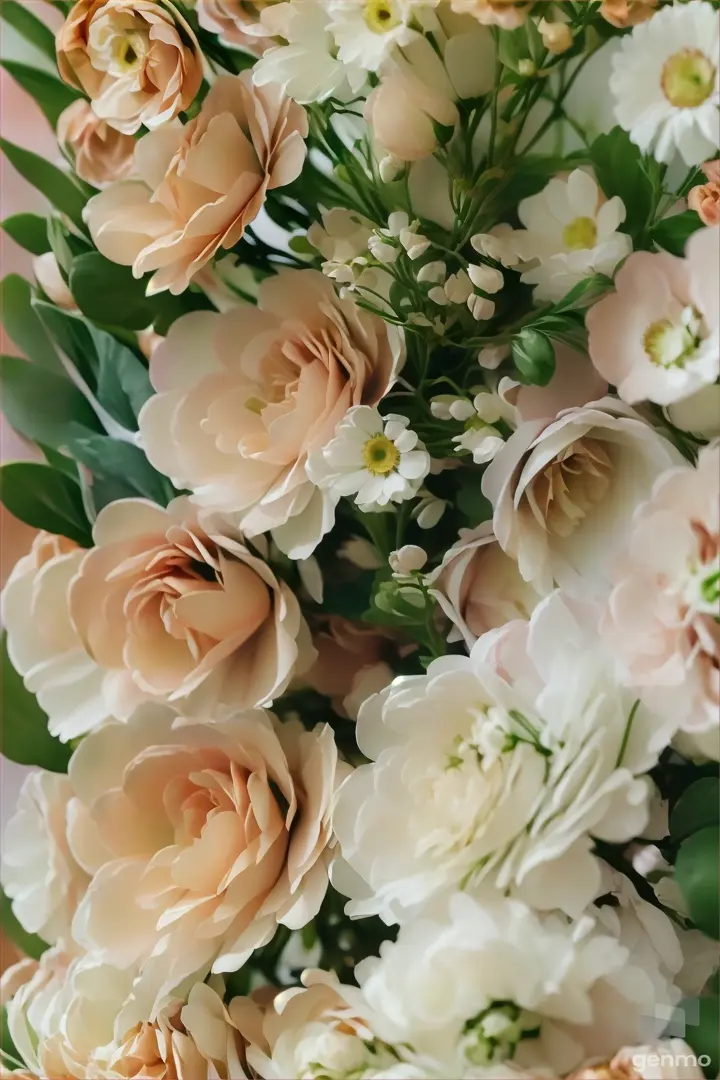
[697, 808]
[57, 186]
[585, 293]
[29, 231]
[621, 170]
[108, 293]
[533, 356]
[29, 26]
[42, 406]
[673, 233]
[48, 91]
[64, 246]
[23, 325]
[24, 735]
[73, 336]
[698, 875]
[123, 382]
[59, 461]
[513, 47]
[700, 1028]
[44, 498]
[124, 463]
[470, 500]
[29, 944]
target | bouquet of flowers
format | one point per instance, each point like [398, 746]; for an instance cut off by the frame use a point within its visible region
[369, 645]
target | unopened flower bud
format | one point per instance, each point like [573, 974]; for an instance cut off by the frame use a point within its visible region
[486, 278]
[407, 560]
[432, 271]
[557, 36]
[390, 168]
[458, 288]
[415, 244]
[480, 307]
[492, 356]
[437, 295]
[382, 250]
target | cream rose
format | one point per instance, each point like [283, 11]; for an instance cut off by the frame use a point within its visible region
[563, 492]
[203, 838]
[138, 62]
[245, 396]
[348, 653]
[38, 872]
[43, 643]
[181, 611]
[200, 184]
[101, 153]
[479, 587]
[662, 615]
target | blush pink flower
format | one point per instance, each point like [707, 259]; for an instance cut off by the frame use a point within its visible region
[202, 837]
[244, 397]
[200, 184]
[704, 199]
[101, 153]
[662, 615]
[657, 337]
[237, 23]
[508, 14]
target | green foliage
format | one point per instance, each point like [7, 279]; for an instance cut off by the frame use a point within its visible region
[109, 294]
[34, 30]
[41, 406]
[534, 356]
[45, 498]
[622, 170]
[74, 337]
[29, 231]
[23, 326]
[24, 736]
[698, 875]
[29, 944]
[469, 499]
[48, 91]
[697, 808]
[58, 187]
[123, 464]
[673, 233]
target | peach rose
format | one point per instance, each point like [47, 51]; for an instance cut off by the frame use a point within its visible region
[657, 337]
[204, 837]
[48, 276]
[181, 611]
[43, 643]
[705, 198]
[243, 398]
[479, 587]
[564, 491]
[236, 22]
[31, 992]
[661, 617]
[622, 13]
[101, 153]
[138, 62]
[671, 1059]
[506, 13]
[38, 872]
[347, 650]
[200, 185]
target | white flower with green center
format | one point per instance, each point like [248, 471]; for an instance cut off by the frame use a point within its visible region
[367, 31]
[570, 232]
[665, 83]
[377, 459]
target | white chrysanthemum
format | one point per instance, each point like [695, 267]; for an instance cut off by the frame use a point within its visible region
[497, 768]
[307, 66]
[665, 83]
[379, 460]
[367, 31]
[486, 981]
[570, 232]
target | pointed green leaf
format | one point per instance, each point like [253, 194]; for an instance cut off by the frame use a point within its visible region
[29, 231]
[51, 94]
[45, 498]
[29, 944]
[30, 27]
[23, 325]
[24, 735]
[73, 337]
[124, 463]
[108, 293]
[123, 383]
[41, 406]
[57, 186]
[697, 874]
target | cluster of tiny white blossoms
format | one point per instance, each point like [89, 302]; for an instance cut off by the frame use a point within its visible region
[368, 647]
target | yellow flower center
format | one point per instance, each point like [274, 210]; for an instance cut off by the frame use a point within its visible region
[688, 78]
[255, 405]
[379, 16]
[127, 51]
[380, 455]
[580, 234]
[668, 344]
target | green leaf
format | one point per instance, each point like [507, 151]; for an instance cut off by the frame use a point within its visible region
[621, 170]
[512, 48]
[29, 944]
[24, 736]
[41, 406]
[73, 336]
[470, 500]
[124, 463]
[23, 325]
[30, 27]
[44, 498]
[673, 233]
[697, 874]
[48, 91]
[585, 293]
[534, 356]
[58, 187]
[701, 1031]
[109, 294]
[123, 382]
[29, 231]
[697, 808]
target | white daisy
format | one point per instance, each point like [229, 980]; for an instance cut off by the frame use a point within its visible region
[367, 31]
[377, 459]
[665, 83]
[570, 233]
